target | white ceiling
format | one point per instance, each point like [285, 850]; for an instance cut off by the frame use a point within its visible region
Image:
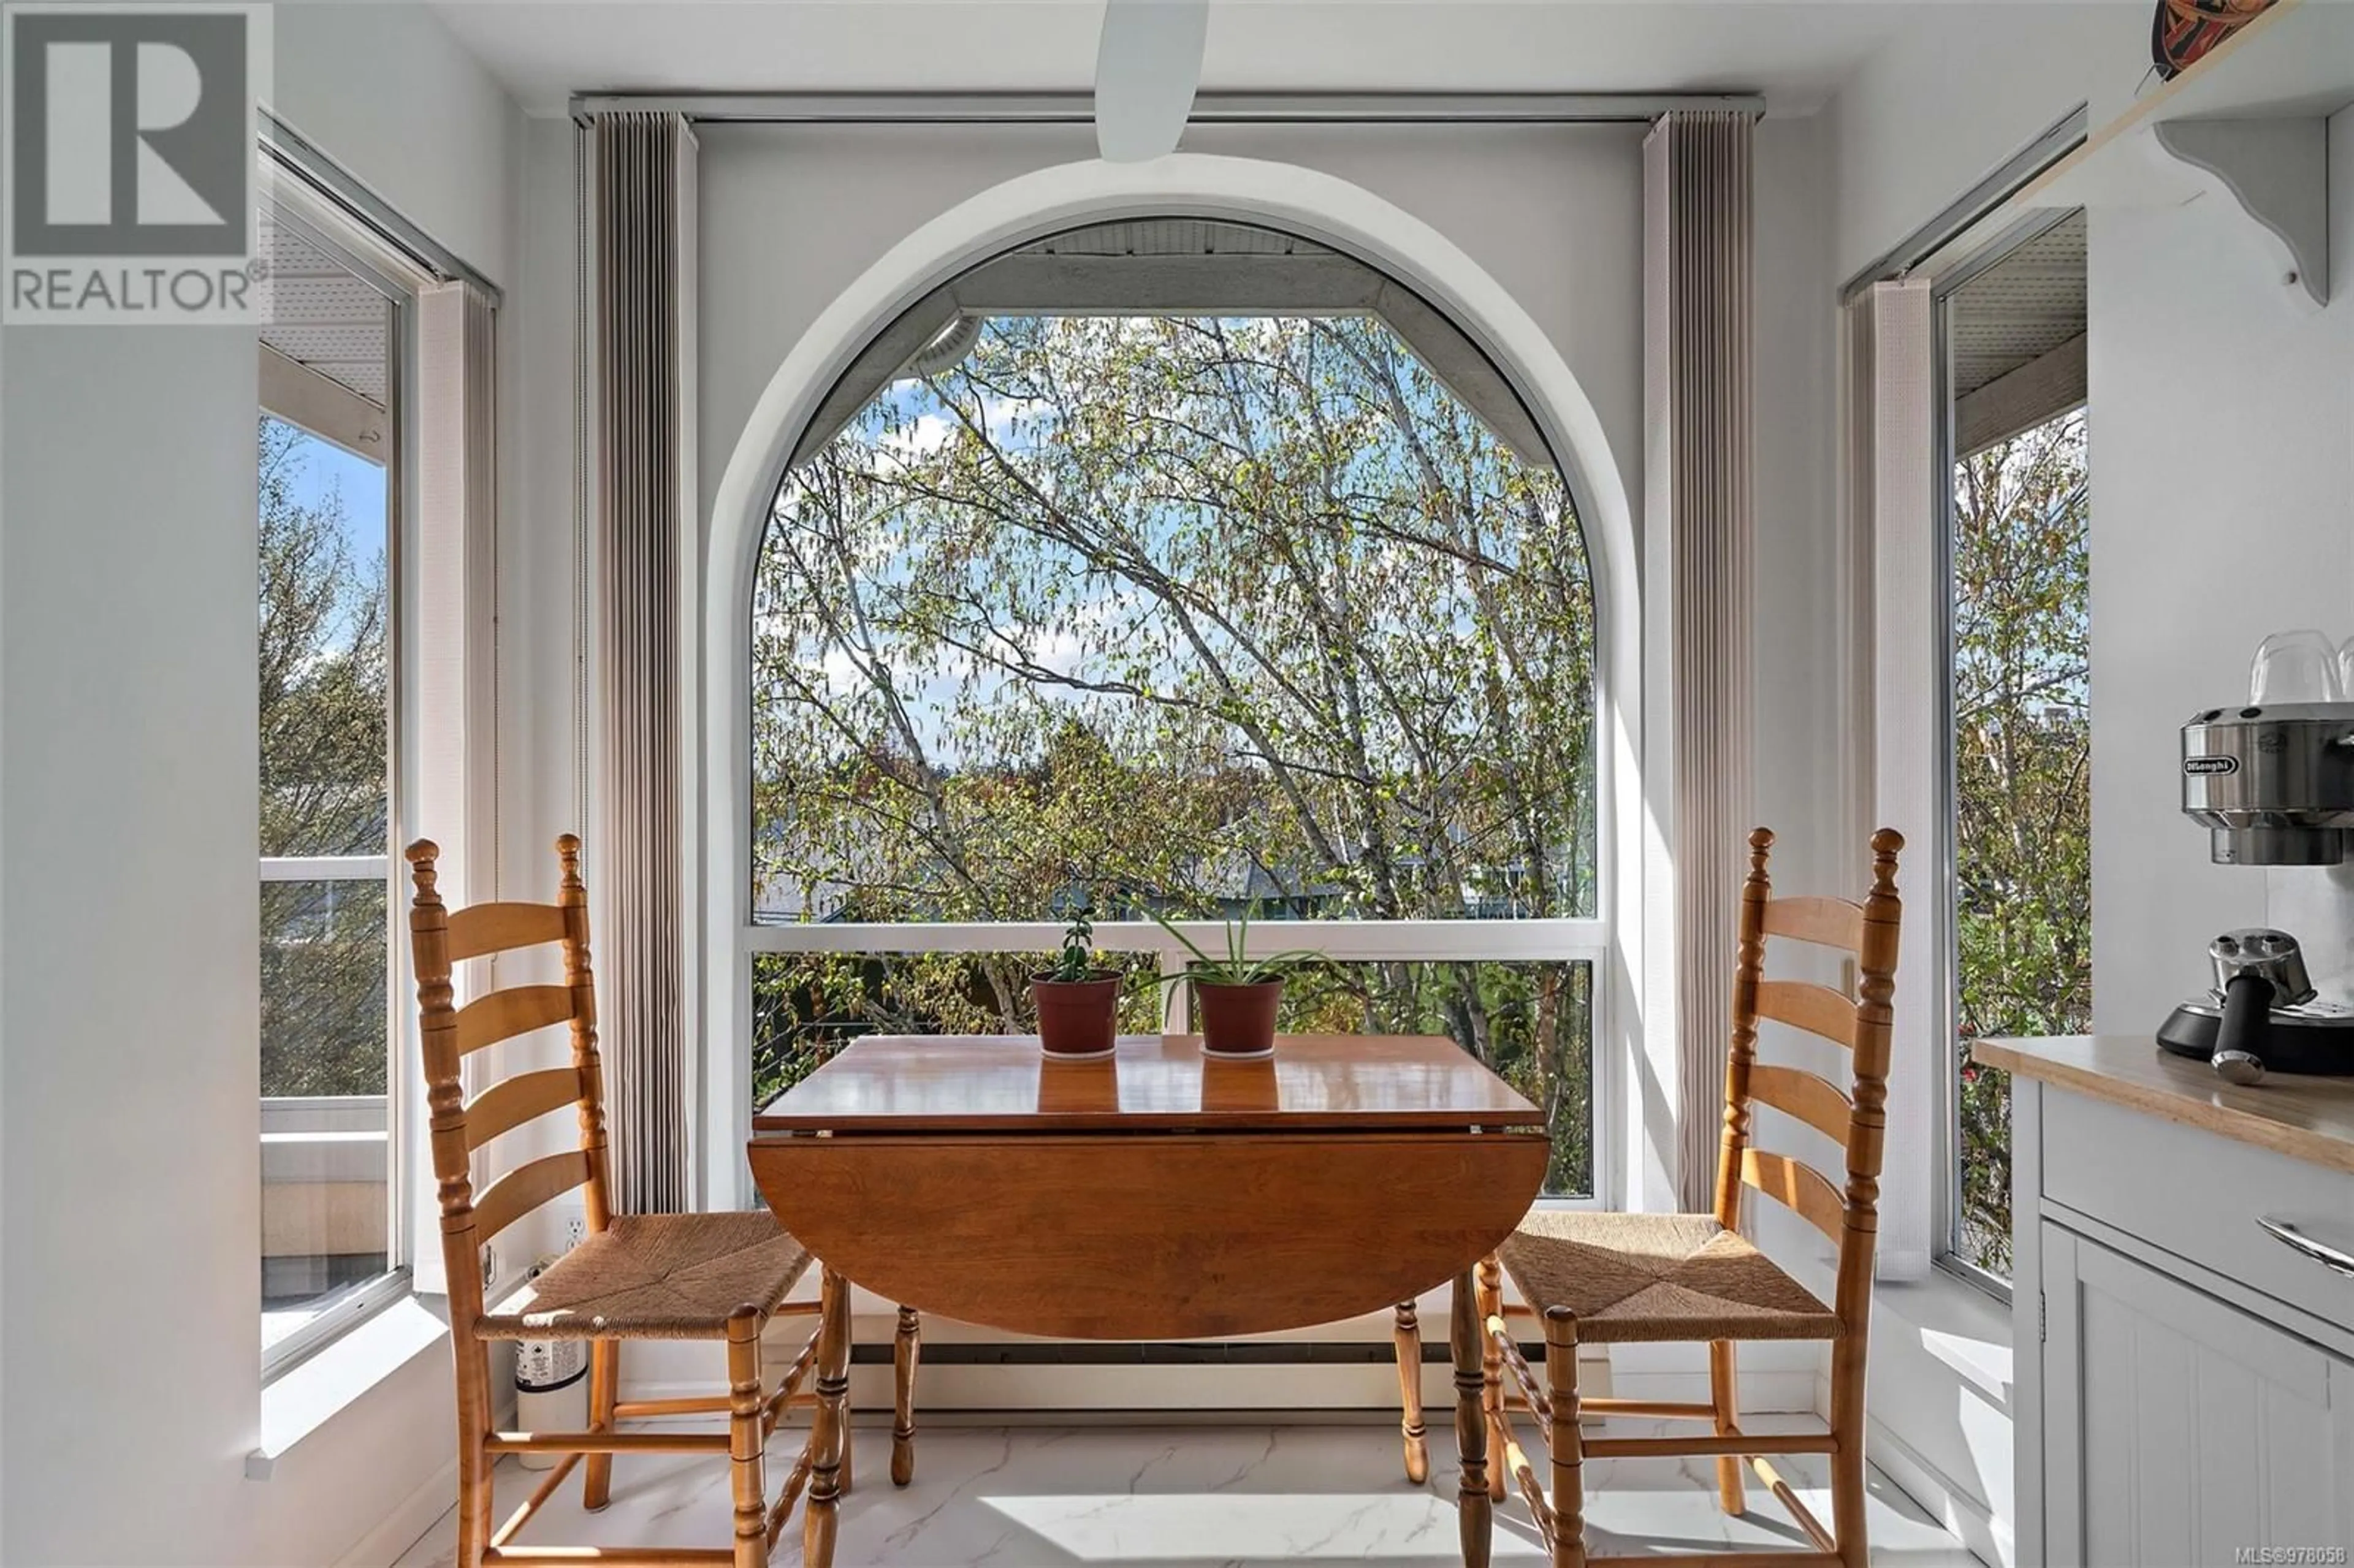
[1795, 54]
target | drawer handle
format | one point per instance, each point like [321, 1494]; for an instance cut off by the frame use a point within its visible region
[2328, 1256]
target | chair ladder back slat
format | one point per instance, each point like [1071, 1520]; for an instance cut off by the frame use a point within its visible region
[511, 1102]
[1817, 1008]
[1825, 922]
[504, 1014]
[1798, 1187]
[1815, 1100]
[525, 1188]
[481, 929]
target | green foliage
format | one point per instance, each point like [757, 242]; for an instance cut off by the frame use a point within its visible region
[1201, 614]
[2023, 739]
[1234, 966]
[1077, 960]
[324, 787]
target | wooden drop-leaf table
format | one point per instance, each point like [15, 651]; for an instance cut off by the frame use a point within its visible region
[1154, 1194]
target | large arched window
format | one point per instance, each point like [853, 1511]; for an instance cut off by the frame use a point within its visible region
[1268, 600]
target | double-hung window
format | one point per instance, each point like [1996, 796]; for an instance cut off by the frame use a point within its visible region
[1194, 618]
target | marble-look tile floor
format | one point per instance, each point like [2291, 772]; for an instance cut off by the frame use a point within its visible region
[1189, 1497]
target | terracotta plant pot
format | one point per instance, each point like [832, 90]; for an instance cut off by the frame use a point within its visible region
[1078, 1018]
[1237, 1019]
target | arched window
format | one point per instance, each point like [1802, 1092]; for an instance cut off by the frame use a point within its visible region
[1186, 569]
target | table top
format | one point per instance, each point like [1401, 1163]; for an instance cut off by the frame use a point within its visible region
[2303, 1117]
[979, 1083]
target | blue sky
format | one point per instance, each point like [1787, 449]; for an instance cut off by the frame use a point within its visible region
[324, 469]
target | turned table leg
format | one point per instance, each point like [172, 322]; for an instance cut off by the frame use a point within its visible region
[1475, 1511]
[828, 1433]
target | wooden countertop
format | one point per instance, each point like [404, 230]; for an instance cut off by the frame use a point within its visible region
[2304, 1117]
[965, 1083]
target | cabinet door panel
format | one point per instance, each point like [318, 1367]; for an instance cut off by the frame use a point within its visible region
[2180, 1430]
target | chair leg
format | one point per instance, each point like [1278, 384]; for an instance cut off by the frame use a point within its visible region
[1562, 1441]
[1491, 1370]
[1406, 1334]
[827, 1437]
[474, 1459]
[604, 1389]
[906, 1350]
[1847, 1459]
[745, 1439]
[1720, 1390]
[1475, 1514]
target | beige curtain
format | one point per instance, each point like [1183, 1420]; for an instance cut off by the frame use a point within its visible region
[638, 249]
[1698, 524]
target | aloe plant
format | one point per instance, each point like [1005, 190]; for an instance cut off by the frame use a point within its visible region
[1235, 968]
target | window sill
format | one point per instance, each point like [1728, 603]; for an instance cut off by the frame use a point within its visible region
[1956, 1324]
[310, 1395]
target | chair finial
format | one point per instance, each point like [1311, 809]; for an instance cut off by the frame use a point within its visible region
[568, 853]
[421, 856]
[1885, 843]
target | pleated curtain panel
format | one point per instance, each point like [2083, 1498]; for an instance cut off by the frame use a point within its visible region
[1892, 523]
[1699, 524]
[638, 261]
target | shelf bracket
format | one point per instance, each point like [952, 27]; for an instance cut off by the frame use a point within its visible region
[2277, 170]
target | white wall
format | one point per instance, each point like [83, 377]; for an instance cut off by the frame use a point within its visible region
[129, 1001]
[791, 214]
[2223, 510]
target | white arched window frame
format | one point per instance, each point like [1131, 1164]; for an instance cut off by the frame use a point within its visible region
[1629, 1085]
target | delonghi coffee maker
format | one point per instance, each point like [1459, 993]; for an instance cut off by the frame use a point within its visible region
[2273, 785]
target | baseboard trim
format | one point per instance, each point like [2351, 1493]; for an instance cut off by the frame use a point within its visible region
[408, 1523]
[1962, 1512]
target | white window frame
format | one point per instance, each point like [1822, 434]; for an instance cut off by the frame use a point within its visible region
[1526, 941]
[287, 400]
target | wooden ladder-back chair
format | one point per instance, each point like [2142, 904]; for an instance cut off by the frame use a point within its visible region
[652, 1276]
[1617, 1278]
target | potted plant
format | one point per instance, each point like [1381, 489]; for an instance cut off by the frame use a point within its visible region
[1078, 998]
[1236, 997]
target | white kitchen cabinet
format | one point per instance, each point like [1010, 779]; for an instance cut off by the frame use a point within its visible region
[2182, 1303]
[2179, 1430]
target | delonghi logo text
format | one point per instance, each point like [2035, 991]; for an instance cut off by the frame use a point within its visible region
[130, 163]
[2200, 766]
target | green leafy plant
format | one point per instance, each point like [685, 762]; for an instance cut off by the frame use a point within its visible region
[1077, 960]
[1235, 968]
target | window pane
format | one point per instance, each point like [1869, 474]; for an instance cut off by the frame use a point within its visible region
[2023, 739]
[325, 1044]
[1534, 1023]
[325, 1155]
[1190, 614]
[323, 717]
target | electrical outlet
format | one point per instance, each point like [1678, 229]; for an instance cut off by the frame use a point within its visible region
[490, 1266]
[576, 1228]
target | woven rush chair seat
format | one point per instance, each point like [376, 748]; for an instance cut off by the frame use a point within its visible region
[1659, 1277]
[656, 1277]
